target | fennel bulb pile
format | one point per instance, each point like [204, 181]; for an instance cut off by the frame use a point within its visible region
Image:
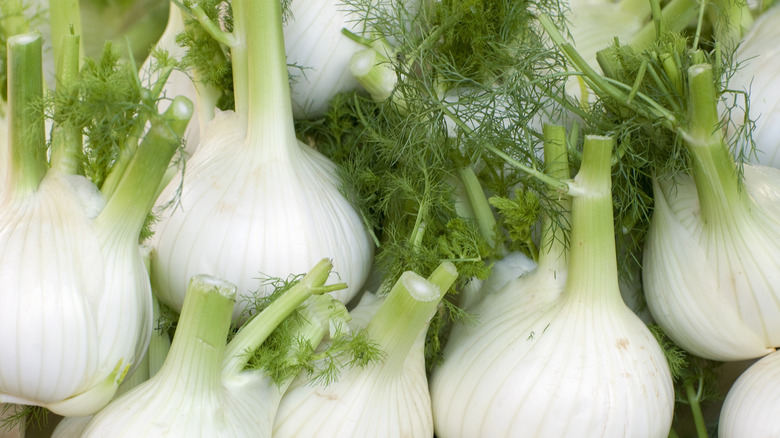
[556, 352]
[75, 308]
[254, 200]
[389, 398]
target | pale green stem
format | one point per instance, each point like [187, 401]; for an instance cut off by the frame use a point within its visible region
[26, 131]
[698, 417]
[65, 20]
[130, 144]
[713, 167]
[552, 252]
[732, 20]
[593, 272]
[198, 347]
[253, 333]
[407, 310]
[261, 81]
[479, 204]
[136, 191]
[66, 140]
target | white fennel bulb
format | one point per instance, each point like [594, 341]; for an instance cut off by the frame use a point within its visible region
[75, 306]
[556, 352]
[254, 200]
[711, 266]
[319, 53]
[388, 399]
[758, 58]
[751, 405]
[203, 388]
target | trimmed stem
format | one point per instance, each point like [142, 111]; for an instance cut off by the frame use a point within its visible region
[66, 140]
[261, 80]
[479, 204]
[713, 168]
[593, 273]
[130, 143]
[552, 252]
[254, 333]
[65, 20]
[199, 343]
[407, 310]
[26, 131]
[137, 190]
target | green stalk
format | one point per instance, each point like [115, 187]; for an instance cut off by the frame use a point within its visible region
[194, 361]
[136, 192]
[261, 81]
[698, 417]
[130, 144]
[407, 310]
[552, 252]
[26, 131]
[732, 20]
[65, 20]
[713, 167]
[252, 334]
[479, 204]
[66, 140]
[593, 272]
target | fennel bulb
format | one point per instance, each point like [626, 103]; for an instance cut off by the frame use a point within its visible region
[758, 75]
[254, 199]
[319, 53]
[711, 266]
[752, 402]
[556, 352]
[387, 399]
[75, 306]
[202, 388]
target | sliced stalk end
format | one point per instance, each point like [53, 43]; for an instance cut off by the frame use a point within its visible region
[255, 332]
[407, 310]
[198, 346]
[375, 73]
